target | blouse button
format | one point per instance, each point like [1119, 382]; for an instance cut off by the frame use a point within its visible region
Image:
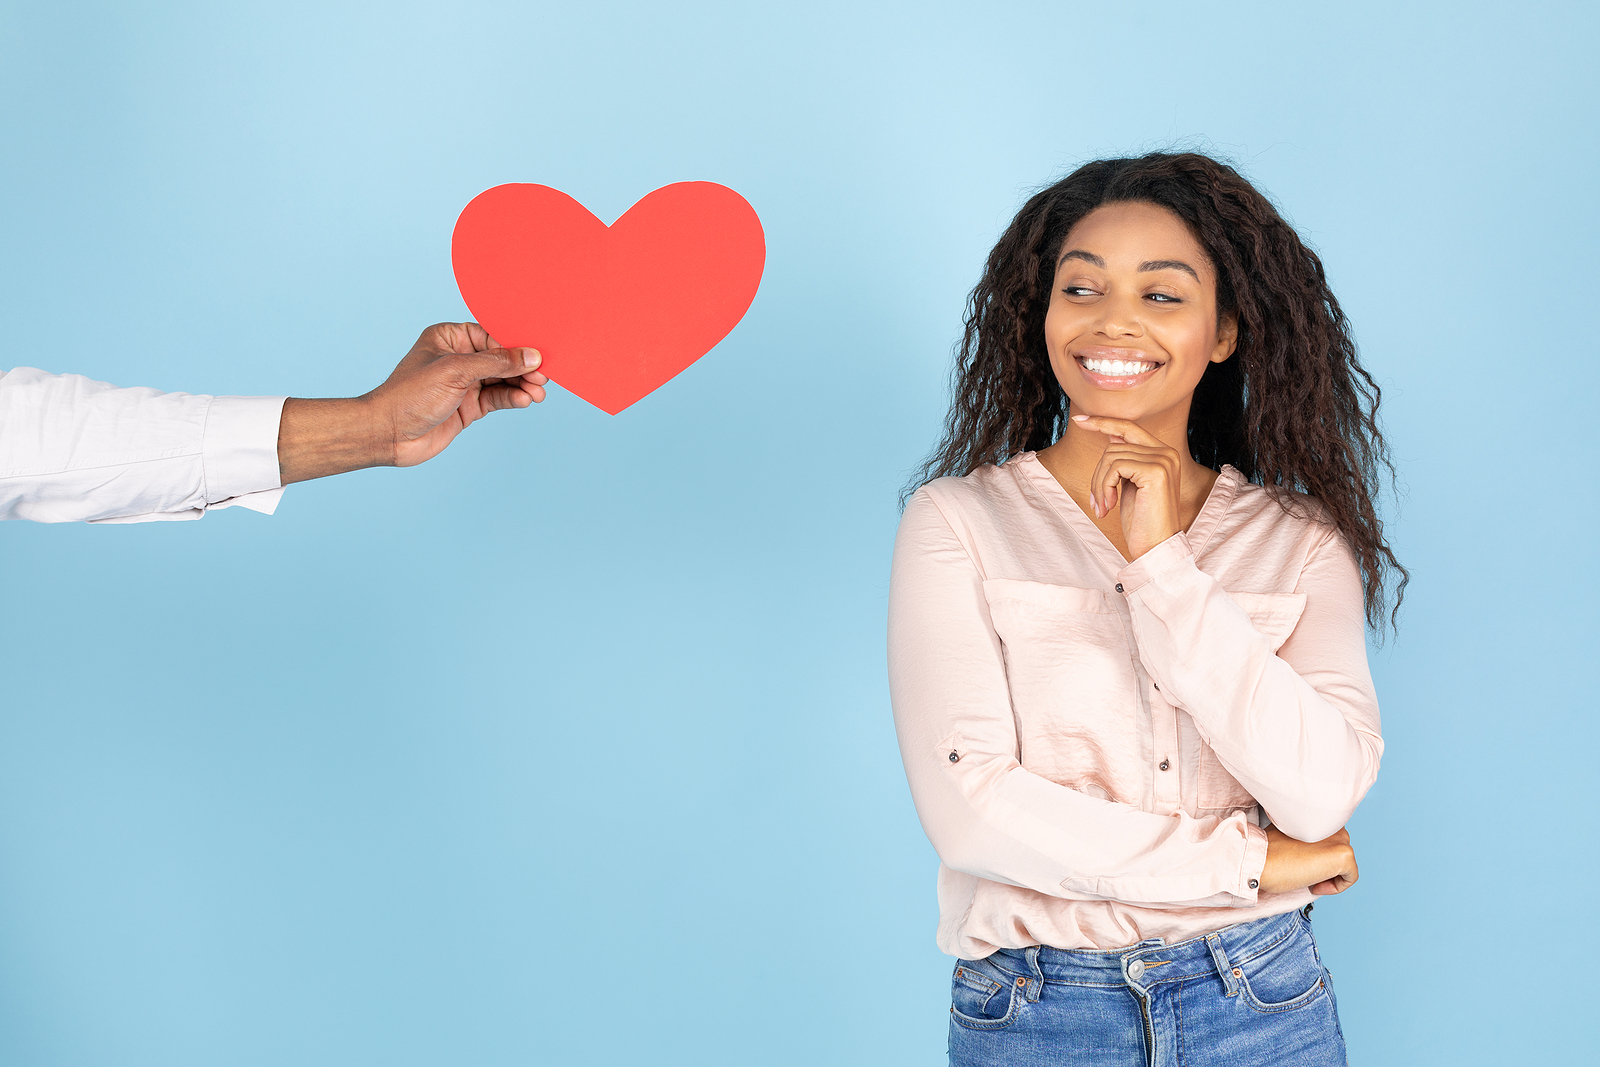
[954, 758]
[1254, 884]
[1164, 764]
[1119, 587]
[1158, 688]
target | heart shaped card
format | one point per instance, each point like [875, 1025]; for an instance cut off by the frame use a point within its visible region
[616, 311]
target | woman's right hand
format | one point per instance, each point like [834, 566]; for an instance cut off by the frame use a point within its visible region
[1326, 866]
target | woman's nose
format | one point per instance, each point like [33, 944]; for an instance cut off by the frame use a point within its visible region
[1121, 318]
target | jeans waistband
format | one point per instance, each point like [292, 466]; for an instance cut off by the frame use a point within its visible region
[1152, 961]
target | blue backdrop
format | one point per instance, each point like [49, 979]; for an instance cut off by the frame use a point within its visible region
[573, 745]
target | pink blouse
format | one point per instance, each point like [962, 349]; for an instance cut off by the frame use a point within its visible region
[1093, 745]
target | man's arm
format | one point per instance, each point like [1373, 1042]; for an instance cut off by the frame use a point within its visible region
[76, 450]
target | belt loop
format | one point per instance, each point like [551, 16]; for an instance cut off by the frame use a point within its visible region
[1225, 970]
[1035, 986]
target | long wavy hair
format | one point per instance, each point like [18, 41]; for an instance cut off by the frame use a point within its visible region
[1292, 409]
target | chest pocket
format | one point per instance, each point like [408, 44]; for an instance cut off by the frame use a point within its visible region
[1070, 672]
[1275, 615]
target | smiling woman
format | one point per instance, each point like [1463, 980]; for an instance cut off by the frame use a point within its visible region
[1126, 642]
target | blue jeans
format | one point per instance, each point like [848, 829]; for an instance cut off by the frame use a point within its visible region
[1252, 993]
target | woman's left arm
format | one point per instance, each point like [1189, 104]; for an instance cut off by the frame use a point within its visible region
[1299, 728]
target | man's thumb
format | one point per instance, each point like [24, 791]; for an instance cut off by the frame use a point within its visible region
[497, 363]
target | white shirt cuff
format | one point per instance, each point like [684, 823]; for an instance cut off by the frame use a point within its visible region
[240, 452]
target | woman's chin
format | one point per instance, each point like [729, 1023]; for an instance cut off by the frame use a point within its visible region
[1111, 407]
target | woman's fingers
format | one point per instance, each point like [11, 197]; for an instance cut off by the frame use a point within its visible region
[1337, 884]
[1125, 428]
[1325, 867]
[1338, 861]
[1133, 454]
[1145, 467]
[1140, 474]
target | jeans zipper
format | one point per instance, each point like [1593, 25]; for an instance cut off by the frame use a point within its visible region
[1149, 1033]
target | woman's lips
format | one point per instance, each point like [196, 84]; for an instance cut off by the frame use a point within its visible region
[1105, 375]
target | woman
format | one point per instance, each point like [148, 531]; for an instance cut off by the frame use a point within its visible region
[1126, 641]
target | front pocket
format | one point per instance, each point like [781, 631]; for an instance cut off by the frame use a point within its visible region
[1042, 596]
[1218, 790]
[1071, 677]
[1284, 977]
[982, 996]
[1274, 614]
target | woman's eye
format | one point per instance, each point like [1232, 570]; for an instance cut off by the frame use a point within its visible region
[1078, 290]
[1163, 298]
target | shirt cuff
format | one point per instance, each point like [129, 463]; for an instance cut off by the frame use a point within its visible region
[265, 501]
[239, 451]
[1148, 567]
[1255, 862]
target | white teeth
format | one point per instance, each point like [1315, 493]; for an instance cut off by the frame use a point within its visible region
[1116, 367]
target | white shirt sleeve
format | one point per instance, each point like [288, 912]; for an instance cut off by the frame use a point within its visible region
[73, 450]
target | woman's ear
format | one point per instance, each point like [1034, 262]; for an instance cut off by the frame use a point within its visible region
[1227, 337]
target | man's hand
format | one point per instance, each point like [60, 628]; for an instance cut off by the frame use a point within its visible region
[454, 375]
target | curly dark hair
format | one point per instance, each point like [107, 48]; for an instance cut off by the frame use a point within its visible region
[1293, 409]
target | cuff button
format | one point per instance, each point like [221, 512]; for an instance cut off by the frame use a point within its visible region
[1254, 884]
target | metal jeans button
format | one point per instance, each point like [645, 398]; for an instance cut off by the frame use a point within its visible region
[1136, 968]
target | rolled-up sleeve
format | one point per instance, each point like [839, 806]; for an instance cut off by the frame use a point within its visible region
[77, 450]
[985, 813]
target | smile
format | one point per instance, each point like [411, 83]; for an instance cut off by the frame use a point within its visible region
[1118, 368]
[1110, 368]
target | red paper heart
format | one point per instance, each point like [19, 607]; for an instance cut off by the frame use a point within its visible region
[616, 311]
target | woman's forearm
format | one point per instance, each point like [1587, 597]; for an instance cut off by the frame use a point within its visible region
[1298, 728]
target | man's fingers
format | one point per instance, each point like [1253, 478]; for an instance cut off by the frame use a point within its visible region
[500, 397]
[532, 385]
[447, 337]
[470, 367]
[462, 337]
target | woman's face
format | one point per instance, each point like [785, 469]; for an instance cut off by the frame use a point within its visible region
[1132, 323]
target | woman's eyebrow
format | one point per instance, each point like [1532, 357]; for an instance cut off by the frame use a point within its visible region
[1169, 264]
[1078, 253]
[1154, 264]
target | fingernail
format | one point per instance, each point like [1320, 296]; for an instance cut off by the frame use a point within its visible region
[531, 358]
[1080, 418]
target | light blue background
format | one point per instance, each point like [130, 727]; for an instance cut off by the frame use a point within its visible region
[573, 746]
